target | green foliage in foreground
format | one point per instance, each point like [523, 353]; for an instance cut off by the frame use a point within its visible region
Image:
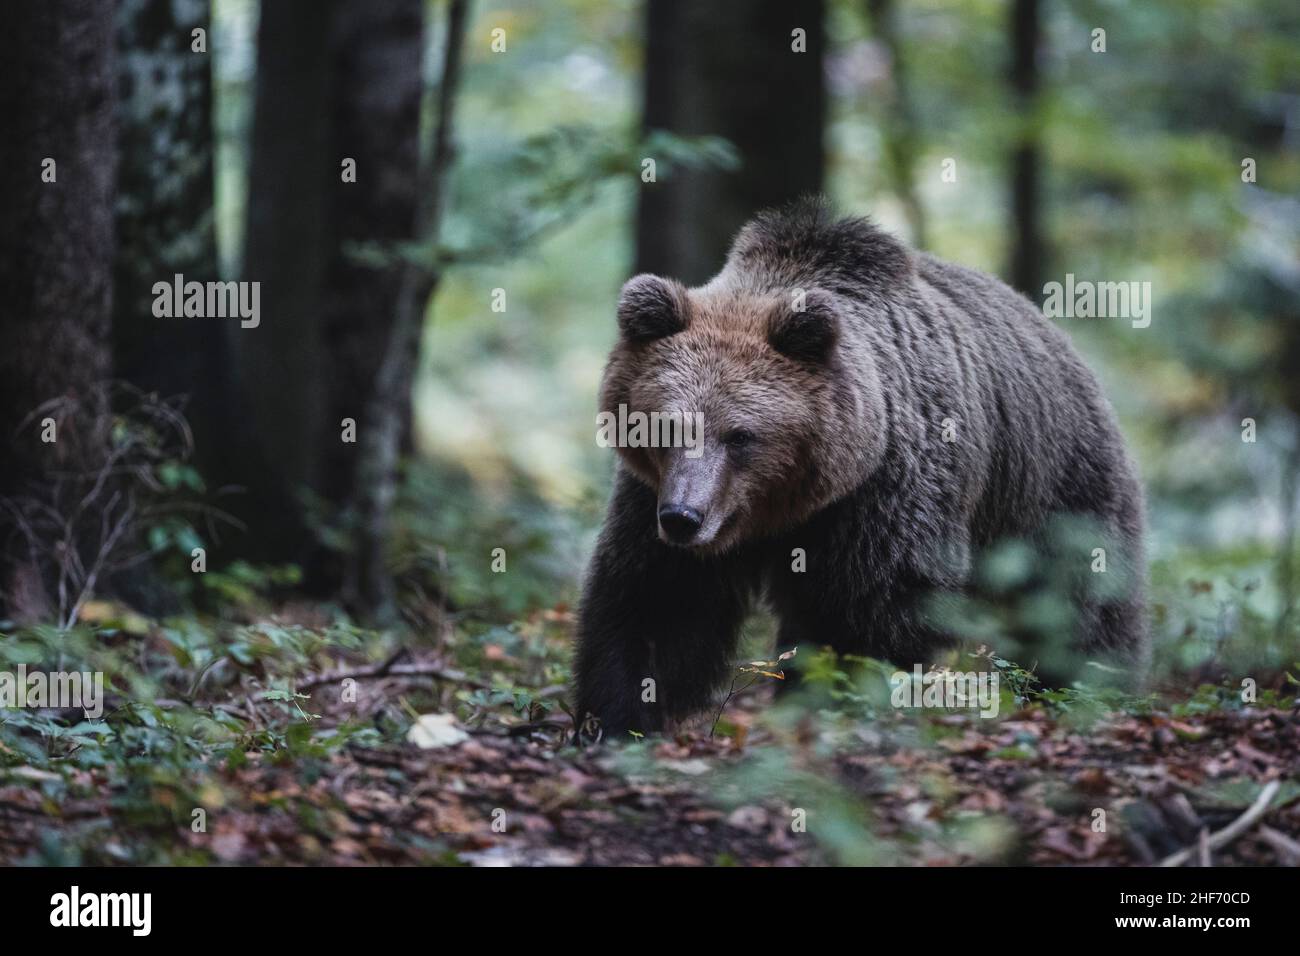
[198, 705]
[182, 710]
[190, 705]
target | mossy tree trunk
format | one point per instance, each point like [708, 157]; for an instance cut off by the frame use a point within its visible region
[164, 212]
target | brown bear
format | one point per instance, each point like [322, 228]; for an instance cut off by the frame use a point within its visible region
[870, 417]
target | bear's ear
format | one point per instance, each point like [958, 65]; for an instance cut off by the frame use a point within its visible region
[651, 308]
[805, 326]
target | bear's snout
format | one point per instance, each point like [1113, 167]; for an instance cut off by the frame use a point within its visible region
[679, 523]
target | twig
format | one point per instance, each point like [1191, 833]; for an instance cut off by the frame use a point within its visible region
[410, 670]
[1233, 830]
[731, 693]
[108, 544]
[1287, 848]
[1180, 808]
[549, 723]
[203, 672]
[79, 523]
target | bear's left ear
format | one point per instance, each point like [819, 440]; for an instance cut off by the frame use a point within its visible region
[805, 326]
[651, 308]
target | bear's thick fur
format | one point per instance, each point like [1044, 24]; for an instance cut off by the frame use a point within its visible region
[872, 418]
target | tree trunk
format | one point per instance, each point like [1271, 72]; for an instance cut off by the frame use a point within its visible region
[902, 137]
[280, 364]
[370, 586]
[727, 68]
[335, 82]
[1026, 272]
[56, 245]
[164, 215]
[378, 55]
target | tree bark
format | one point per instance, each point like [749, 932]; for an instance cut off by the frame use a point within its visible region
[727, 68]
[280, 365]
[378, 56]
[56, 243]
[335, 82]
[1026, 270]
[164, 212]
[370, 585]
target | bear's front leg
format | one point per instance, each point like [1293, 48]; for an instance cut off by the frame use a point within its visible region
[657, 626]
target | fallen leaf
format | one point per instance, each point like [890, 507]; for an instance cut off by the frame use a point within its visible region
[431, 731]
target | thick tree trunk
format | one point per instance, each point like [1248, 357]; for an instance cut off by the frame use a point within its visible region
[370, 586]
[56, 246]
[164, 216]
[280, 365]
[1026, 270]
[378, 54]
[335, 82]
[727, 68]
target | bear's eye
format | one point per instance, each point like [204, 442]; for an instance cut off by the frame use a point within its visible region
[738, 438]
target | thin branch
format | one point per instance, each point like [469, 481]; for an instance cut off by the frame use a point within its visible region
[1285, 847]
[1233, 830]
[107, 547]
[731, 693]
[409, 670]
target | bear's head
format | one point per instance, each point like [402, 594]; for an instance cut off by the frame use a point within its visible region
[757, 407]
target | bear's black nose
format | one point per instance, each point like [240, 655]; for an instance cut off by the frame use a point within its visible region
[679, 522]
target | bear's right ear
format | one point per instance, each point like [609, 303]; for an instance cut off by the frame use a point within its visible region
[651, 308]
[805, 330]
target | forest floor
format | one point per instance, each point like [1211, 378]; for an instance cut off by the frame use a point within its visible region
[297, 751]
